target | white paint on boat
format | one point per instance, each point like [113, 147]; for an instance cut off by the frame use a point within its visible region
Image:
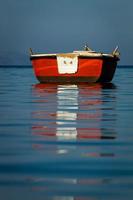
[67, 64]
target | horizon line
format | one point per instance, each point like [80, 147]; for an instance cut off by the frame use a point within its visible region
[29, 65]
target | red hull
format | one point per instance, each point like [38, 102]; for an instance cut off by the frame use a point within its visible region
[90, 69]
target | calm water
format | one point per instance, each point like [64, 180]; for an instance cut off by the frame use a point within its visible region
[65, 142]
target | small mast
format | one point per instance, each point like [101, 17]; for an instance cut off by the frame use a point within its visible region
[86, 48]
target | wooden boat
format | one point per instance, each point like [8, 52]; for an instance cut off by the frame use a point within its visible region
[85, 66]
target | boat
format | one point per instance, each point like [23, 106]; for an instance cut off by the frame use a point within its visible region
[85, 66]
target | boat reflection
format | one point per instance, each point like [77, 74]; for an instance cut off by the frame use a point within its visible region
[74, 112]
[71, 124]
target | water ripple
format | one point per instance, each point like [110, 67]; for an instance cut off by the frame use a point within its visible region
[65, 141]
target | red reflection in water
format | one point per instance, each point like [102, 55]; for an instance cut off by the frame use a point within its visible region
[68, 113]
[72, 105]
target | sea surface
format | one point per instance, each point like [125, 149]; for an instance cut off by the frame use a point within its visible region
[65, 142]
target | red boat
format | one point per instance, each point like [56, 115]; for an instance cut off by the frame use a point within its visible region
[85, 66]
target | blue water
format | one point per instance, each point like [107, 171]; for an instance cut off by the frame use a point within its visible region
[65, 142]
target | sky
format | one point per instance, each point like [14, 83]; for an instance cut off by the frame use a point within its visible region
[57, 26]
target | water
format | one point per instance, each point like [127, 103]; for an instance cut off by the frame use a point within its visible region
[65, 142]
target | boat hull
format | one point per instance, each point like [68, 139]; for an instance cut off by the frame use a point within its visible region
[90, 70]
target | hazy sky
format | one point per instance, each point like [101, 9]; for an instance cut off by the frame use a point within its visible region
[50, 26]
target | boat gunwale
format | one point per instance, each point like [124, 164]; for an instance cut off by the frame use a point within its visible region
[97, 55]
